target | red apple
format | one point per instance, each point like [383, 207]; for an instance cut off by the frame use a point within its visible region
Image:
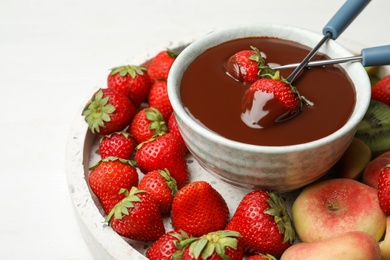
[331, 207]
[353, 245]
[373, 168]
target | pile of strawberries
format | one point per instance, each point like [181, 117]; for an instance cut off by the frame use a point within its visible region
[138, 130]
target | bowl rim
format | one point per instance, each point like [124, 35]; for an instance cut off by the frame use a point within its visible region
[332, 48]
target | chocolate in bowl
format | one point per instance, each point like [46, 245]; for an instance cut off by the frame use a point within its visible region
[214, 98]
[283, 167]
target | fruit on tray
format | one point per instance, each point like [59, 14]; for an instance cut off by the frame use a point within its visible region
[384, 189]
[108, 111]
[108, 177]
[354, 160]
[118, 144]
[199, 209]
[137, 216]
[347, 246]
[374, 127]
[331, 207]
[162, 187]
[161, 64]
[373, 169]
[115, 183]
[158, 98]
[165, 247]
[164, 152]
[133, 81]
[264, 223]
[147, 123]
[222, 244]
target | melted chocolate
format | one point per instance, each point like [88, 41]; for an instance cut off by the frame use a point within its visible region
[214, 98]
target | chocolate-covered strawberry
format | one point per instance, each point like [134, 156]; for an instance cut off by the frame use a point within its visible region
[270, 100]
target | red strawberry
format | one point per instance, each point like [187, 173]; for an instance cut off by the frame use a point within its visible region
[133, 81]
[147, 123]
[162, 187]
[384, 189]
[263, 221]
[381, 90]
[118, 144]
[270, 100]
[108, 111]
[164, 151]
[174, 129]
[158, 98]
[108, 177]
[199, 209]
[216, 245]
[161, 64]
[165, 247]
[261, 257]
[243, 65]
[137, 216]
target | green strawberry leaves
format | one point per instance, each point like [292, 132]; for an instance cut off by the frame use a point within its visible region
[131, 70]
[278, 210]
[97, 111]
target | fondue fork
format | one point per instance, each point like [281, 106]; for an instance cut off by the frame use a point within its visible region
[374, 56]
[339, 22]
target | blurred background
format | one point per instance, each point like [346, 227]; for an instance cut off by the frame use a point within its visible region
[53, 53]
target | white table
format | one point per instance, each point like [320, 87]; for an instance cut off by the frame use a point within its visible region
[53, 53]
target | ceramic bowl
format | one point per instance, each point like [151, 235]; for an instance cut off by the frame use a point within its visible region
[281, 168]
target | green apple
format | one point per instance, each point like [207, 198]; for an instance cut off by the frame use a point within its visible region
[354, 245]
[331, 207]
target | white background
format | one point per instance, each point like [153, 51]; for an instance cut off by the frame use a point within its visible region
[52, 54]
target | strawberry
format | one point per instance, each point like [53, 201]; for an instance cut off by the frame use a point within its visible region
[136, 216]
[162, 152]
[165, 247]
[199, 209]
[108, 177]
[133, 81]
[274, 95]
[174, 129]
[158, 97]
[108, 111]
[161, 186]
[147, 123]
[384, 189]
[216, 245]
[381, 90]
[263, 221]
[261, 257]
[118, 144]
[161, 64]
[243, 65]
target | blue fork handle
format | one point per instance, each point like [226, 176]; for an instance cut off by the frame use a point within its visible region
[376, 56]
[344, 17]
